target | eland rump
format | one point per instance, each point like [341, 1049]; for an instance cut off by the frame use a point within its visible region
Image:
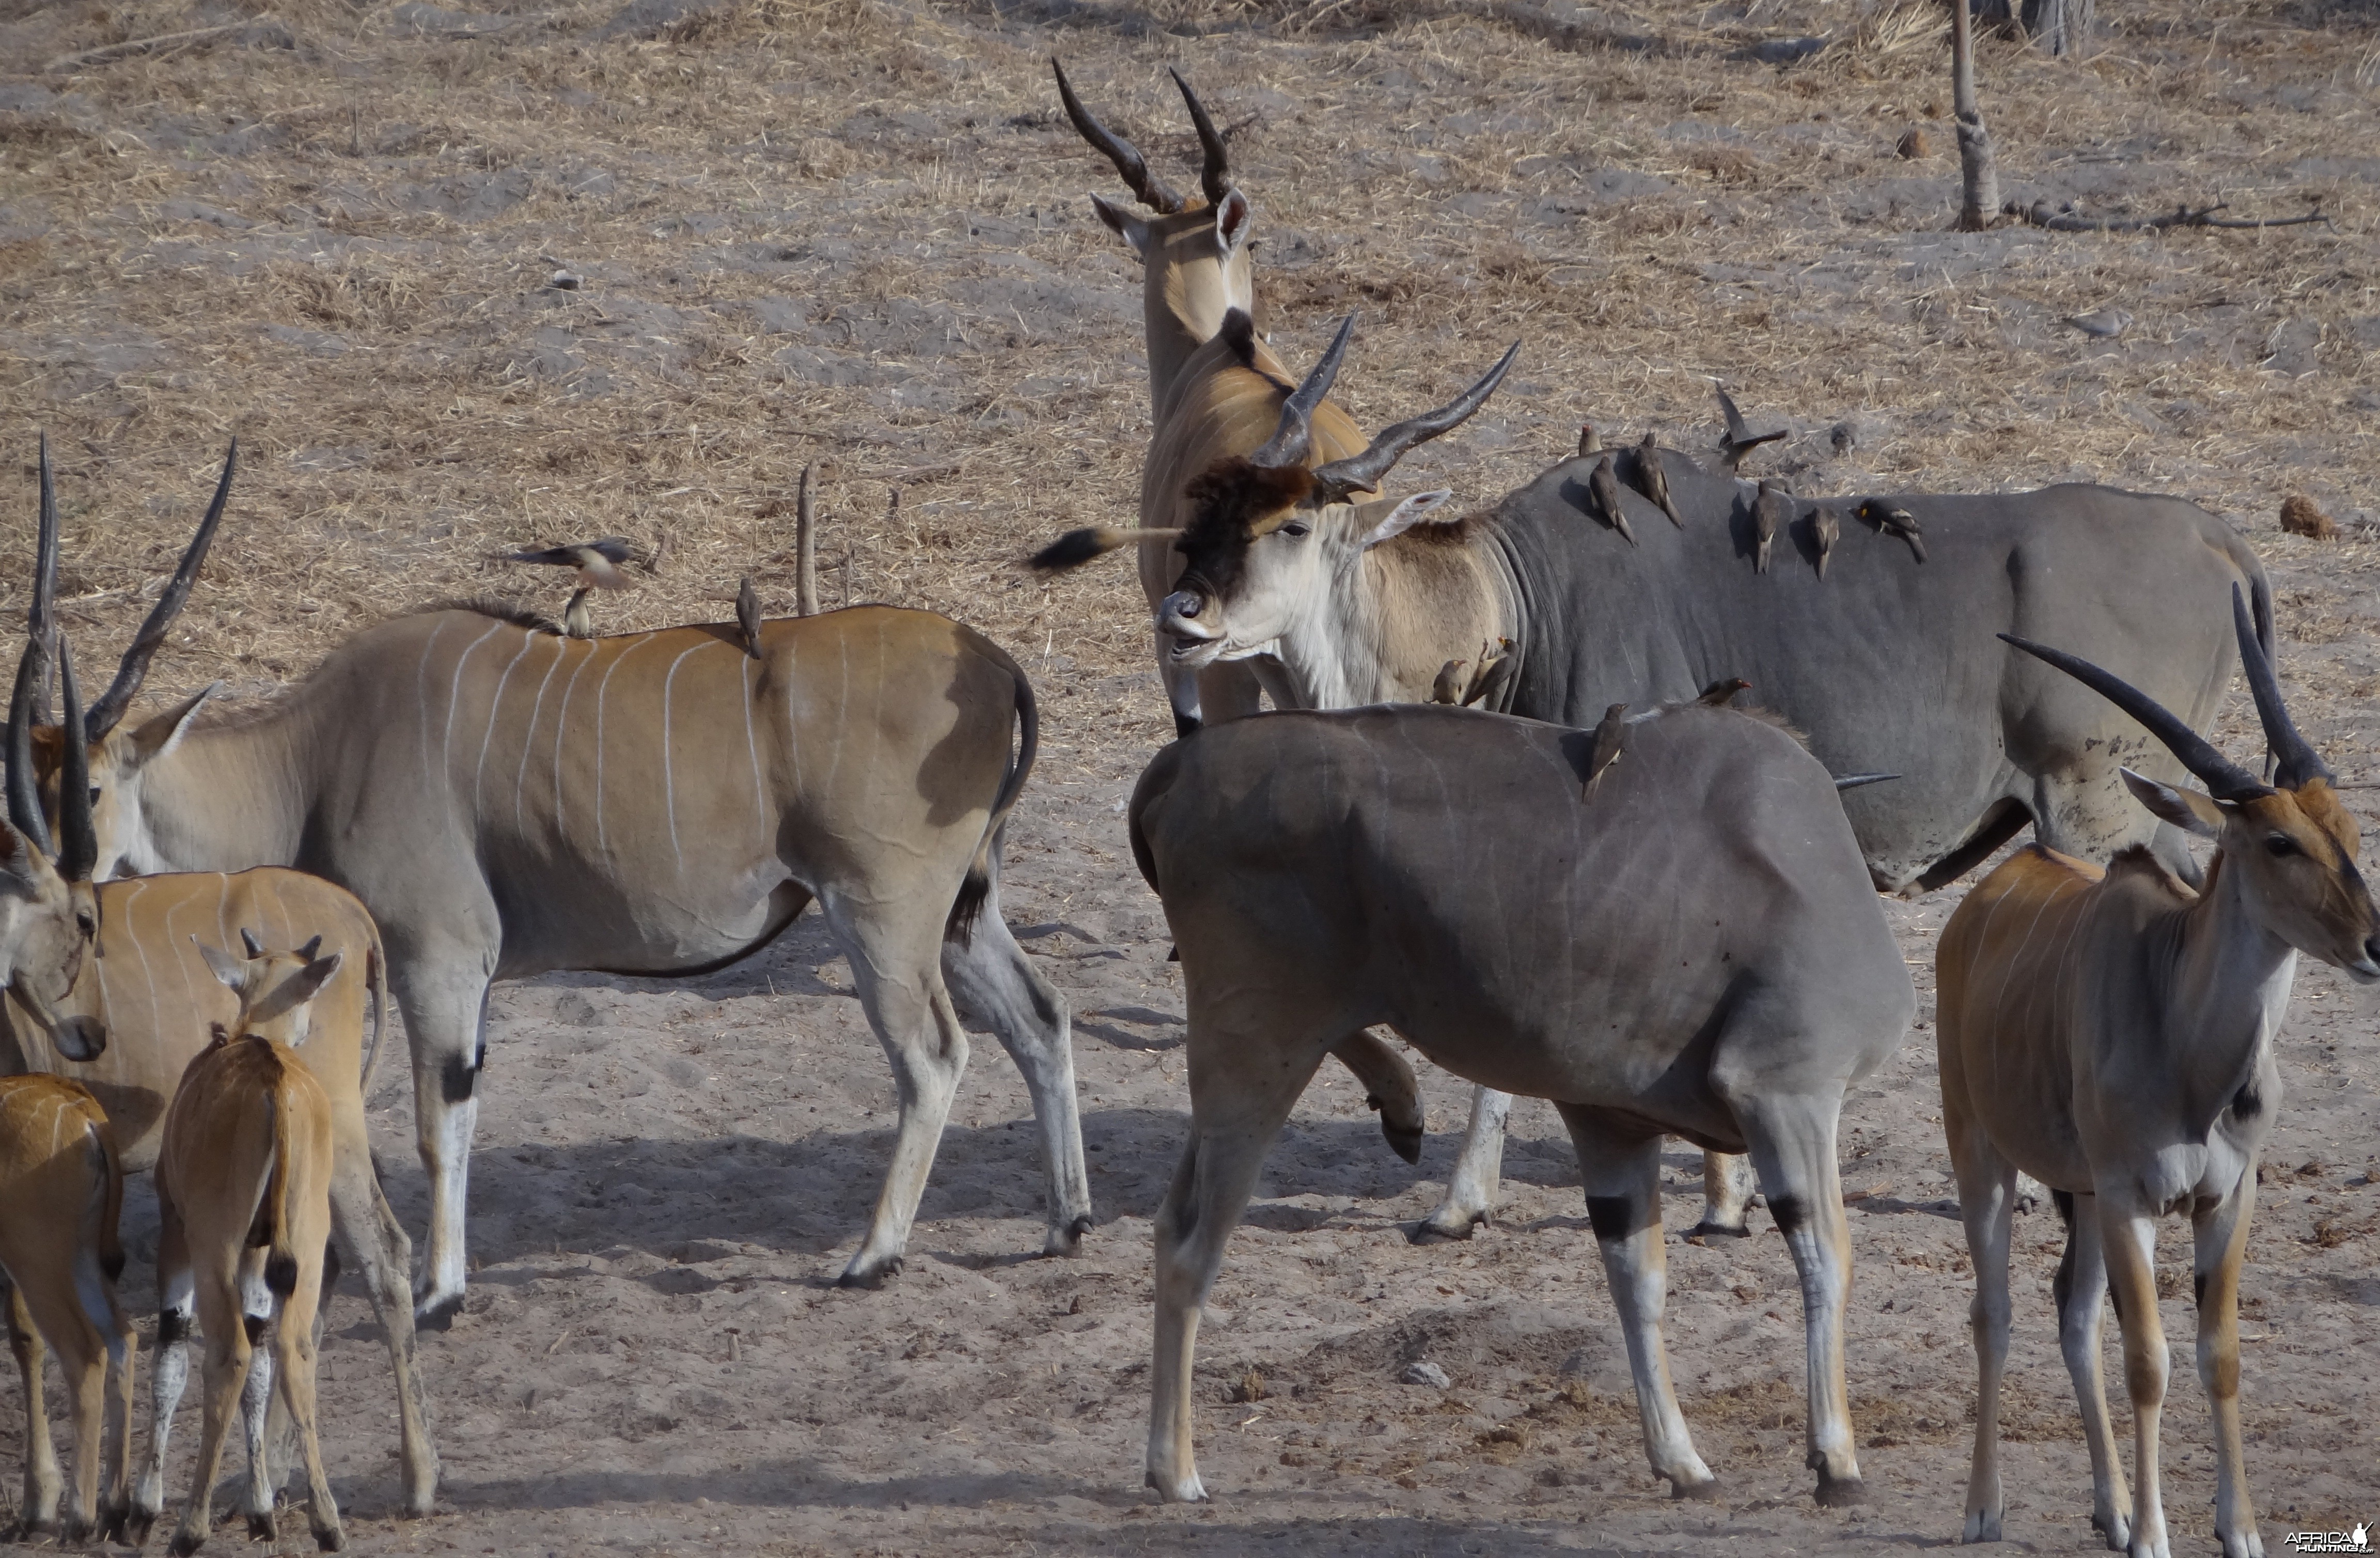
[1690, 947]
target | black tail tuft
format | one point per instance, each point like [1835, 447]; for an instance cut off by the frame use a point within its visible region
[960, 927]
[281, 1274]
[1072, 551]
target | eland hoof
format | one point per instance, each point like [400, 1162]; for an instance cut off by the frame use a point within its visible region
[435, 1313]
[1068, 1239]
[1440, 1228]
[870, 1277]
[2115, 1530]
[1981, 1525]
[1700, 1492]
[1182, 1490]
[186, 1542]
[329, 1538]
[262, 1527]
[1707, 1230]
[1841, 1492]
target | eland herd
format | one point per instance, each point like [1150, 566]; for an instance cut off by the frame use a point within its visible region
[1653, 908]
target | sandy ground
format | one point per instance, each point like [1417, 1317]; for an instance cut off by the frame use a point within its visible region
[854, 233]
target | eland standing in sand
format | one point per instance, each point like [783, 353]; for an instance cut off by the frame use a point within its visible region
[2111, 1033]
[1702, 956]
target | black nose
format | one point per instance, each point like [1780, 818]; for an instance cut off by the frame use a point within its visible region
[1189, 607]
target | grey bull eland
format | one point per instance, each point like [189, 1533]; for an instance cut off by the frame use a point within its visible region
[2112, 1034]
[1876, 661]
[1691, 948]
[507, 800]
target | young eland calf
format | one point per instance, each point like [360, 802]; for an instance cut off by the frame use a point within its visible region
[60, 1190]
[244, 1203]
[2112, 1034]
[1691, 949]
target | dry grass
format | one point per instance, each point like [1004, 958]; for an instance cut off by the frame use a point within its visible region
[851, 231]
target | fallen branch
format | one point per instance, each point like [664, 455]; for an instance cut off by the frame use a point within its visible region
[110, 54]
[2040, 215]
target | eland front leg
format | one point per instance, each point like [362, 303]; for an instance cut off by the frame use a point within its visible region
[1236, 1109]
[442, 990]
[2222, 1244]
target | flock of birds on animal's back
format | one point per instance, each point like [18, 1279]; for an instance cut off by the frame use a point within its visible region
[1772, 505]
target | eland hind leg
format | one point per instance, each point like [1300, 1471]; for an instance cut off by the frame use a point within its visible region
[895, 961]
[1621, 1167]
[363, 1222]
[990, 976]
[43, 1485]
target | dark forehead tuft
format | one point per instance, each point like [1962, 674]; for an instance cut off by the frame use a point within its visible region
[1234, 492]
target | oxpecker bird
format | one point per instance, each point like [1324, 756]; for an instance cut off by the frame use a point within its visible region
[1589, 440]
[1496, 664]
[1655, 482]
[1739, 440]
[747, 616]
[1771, 514]
[1604, 487]
[1895, 520]
[1720, 693]
[1452, 678]
[597, 563]
[1609, 737]
[1825, 529]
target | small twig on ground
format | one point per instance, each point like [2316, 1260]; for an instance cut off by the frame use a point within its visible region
[2040, 215]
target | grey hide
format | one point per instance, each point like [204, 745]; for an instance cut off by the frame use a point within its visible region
[1694, 949]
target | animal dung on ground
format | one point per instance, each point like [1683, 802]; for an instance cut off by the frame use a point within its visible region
[1426, 1373]
[1915, 143]
[2301, 517]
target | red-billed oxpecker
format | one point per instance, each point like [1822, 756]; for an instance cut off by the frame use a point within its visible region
[1702, 956]
[2111, 1033]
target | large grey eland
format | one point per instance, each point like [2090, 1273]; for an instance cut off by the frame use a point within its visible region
[1700, 953]
[507, 800]
[2112, 1034]
[1875, 661]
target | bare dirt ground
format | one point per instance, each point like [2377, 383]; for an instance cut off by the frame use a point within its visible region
[852, 233]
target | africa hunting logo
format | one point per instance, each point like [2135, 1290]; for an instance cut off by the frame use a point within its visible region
[2356, 1540]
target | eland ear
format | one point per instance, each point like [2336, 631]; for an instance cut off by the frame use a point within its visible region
[2186, 810]
[19, 869]
[161, 734]
[1121, 223]
[1233, 223]
[228, 970]
[307, 983]
[1386, 518]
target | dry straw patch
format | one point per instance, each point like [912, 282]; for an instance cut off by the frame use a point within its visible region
[852, 233]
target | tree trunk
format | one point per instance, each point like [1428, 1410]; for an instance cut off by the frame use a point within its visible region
[1979, 180]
